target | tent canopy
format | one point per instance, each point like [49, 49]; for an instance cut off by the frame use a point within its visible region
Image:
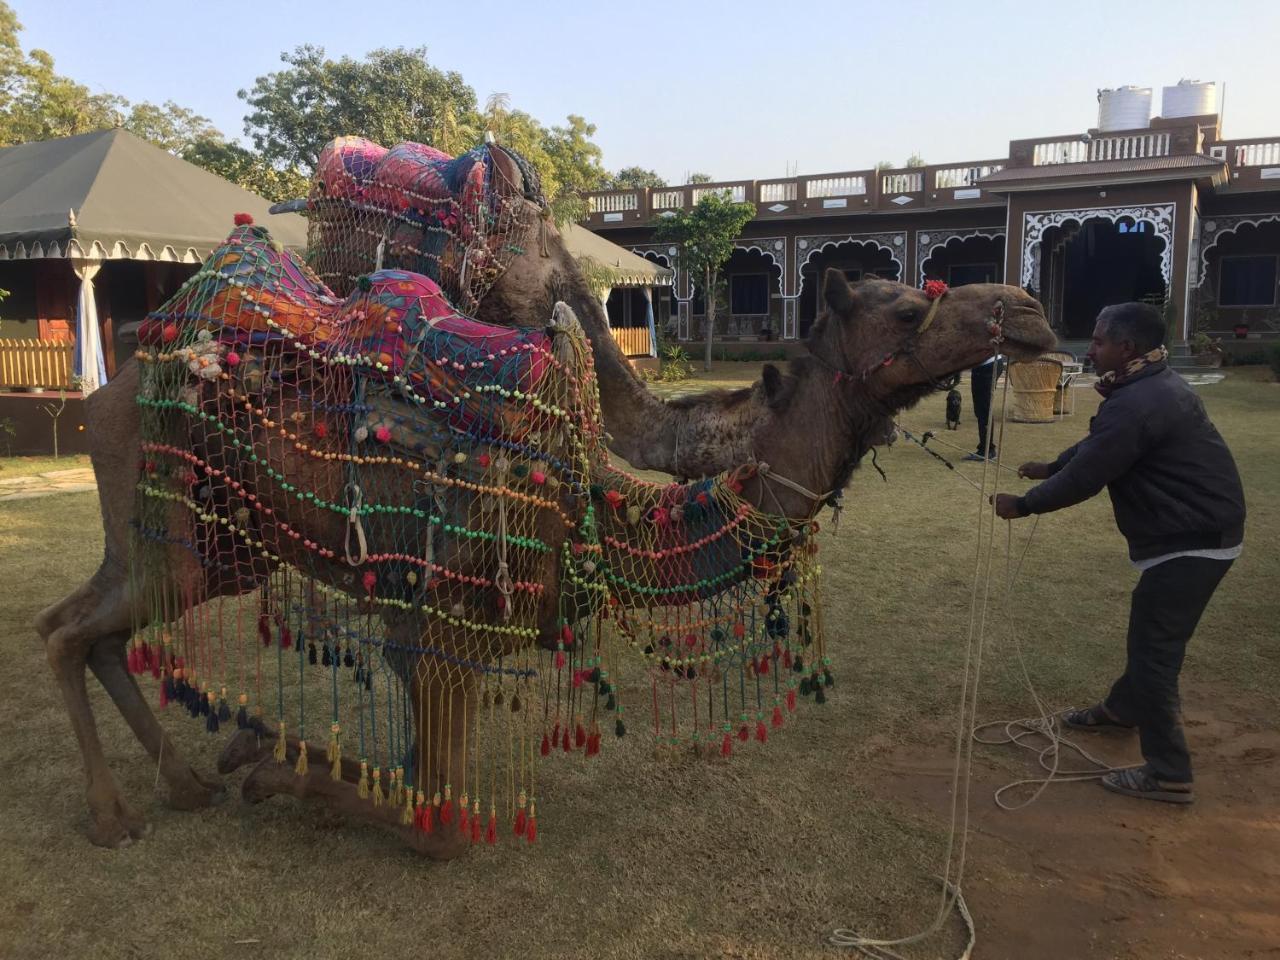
[625, 269]
[109, 194]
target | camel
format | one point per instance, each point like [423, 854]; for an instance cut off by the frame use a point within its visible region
[878, 347]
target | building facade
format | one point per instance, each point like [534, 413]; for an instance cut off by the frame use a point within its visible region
[1169, 212]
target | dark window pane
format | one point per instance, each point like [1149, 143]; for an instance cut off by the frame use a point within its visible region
[1247, 282]
[749, 293]
[963, 273]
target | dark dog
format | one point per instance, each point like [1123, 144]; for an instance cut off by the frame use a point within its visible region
[953, 409]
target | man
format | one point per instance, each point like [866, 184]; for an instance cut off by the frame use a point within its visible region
[982, 384]
[1178, 501]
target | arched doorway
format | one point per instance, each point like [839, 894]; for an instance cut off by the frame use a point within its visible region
[960, 259]
[1240, 275]
[857, 259]
[749, 305]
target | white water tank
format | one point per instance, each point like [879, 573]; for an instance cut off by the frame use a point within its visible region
[1124, 108]
[1190, 98]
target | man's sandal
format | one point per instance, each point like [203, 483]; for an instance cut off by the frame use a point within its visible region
[1096, 718]
[1139, 782]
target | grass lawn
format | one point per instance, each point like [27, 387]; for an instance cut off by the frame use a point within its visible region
[29, 466]
[645, 856]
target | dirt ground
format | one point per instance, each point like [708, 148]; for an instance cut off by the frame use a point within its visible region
[1083, 873]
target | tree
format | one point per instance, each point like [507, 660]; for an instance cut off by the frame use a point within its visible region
[635, 178]
[704, 239]
[233, 162]
[884, 165]
[389, 96]
[172, 127]
[915, 160]
[699, 178]
[38, 103]
[576, 161]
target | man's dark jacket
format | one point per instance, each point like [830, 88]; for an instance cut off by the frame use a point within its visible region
[1173, 483]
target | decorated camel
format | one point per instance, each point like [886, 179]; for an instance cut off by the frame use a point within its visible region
[385, 539]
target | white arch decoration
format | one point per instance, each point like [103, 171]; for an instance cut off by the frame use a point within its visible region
[775, 248]
[1036, 223]
[1214, 229]
[809, 246]
[927, 244]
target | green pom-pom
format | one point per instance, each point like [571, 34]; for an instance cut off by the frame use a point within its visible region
[520, 471]
[597, 491]
[364, 283]
[798, 665]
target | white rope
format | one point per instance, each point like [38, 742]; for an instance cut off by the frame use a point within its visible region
[962, 767]
[353, 521]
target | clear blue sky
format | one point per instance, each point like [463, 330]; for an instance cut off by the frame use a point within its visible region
[739, 90]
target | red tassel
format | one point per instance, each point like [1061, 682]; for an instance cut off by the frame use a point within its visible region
[593, 744]
[761, 733]
[464, 819]
[155, 665]
[786, 659]
[475, 829]
[522, 823]
[763, 668]
[579, 736]
[743, 733]
[726, 746]
[577, 678]
[546, 745]
[559, 660]
[791, 700]
[566, 636]
[491, 834]
[777, 716]
[568, 742]
[428, 818]
[132, 660]
[264, 629]
[286, 637]
[164, 696]
[446, 812]
[532, 833]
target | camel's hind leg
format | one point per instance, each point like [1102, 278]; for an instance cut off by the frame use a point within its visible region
[70, 629]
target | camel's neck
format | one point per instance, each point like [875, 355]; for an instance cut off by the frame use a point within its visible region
[688, 440]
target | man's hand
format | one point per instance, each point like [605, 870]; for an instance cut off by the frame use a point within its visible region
[1007, 506]
[1034, 471]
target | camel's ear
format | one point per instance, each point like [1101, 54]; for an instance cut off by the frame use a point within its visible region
[506, 171]
[778, 387]
[836, 291]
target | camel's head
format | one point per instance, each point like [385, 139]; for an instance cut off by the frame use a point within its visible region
[899, 339]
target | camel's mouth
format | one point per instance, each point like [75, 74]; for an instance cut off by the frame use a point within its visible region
[1027, 334]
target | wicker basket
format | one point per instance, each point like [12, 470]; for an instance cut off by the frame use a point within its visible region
[1035, 385]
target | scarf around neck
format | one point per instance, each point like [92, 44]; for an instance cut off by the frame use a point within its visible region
[1109, 381]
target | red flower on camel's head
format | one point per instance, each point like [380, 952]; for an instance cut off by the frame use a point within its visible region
[243, 219]
[933, 289]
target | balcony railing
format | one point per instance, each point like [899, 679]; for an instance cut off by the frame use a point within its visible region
[1132, 146]
[949, 178]
[839, 185]
[668, 199]
[902, 183]
[780, 191]
[737, 192]
[613, 202]
[36, 363]
[1262, 153]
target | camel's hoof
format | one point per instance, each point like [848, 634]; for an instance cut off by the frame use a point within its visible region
[117, 829]
[244, 748]
[196, 793]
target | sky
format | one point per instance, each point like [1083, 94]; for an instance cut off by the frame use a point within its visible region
[745, 90]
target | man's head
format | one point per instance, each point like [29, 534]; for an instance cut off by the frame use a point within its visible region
[1123, 333]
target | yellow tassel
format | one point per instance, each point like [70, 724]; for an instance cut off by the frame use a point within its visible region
[400, 786]
[334, 749]
[280, 745]
[300, 768]
[362, 788]
[406, 816]
[393, 788]
[378, 795]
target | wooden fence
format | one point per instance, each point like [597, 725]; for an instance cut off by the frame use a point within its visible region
[633, 341]
[35, 363]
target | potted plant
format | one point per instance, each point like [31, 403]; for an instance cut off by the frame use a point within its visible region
[1206, 351]
[1241, 330]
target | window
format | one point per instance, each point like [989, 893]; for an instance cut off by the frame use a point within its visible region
[748, 294]
[1247, 282]
[962, 273]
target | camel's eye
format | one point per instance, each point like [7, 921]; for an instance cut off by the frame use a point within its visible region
[909, 314]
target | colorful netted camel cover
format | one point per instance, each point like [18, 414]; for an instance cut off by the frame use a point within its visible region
[458, 221]
[424, 557]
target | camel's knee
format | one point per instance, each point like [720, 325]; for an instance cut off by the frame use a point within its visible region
[67, 649]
